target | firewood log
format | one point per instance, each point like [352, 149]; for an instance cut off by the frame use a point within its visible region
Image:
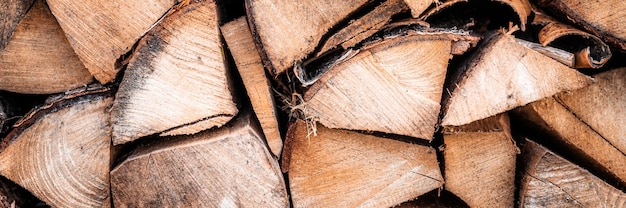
[11, 13]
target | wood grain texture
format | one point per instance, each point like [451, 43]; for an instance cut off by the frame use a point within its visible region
[339, 168]
[102, 31]
[391, 86]
[38, 58]
[287, 31]
[63, 157]
[240, 42]
[11, 13]
[418, 6]
[480, 162]
[176, 82]
[551, 181]
[226, 167]
[504, 75]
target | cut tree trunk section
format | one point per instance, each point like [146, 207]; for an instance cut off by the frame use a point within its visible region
[226, 167]
[177, 82]
[348, 169]
[480, 162]
[11, 13]
[61, 152]
[38, 58]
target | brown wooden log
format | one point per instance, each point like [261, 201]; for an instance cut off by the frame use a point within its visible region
[61, 151]
[177, 82]
[347, 169]
[480, 162]
[418, 6]
[551, 181]
[225, 167]
[102, 31]
[504, 75]
[240, 42]
[11, 13]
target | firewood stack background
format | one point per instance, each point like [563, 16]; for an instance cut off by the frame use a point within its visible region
[272, 103]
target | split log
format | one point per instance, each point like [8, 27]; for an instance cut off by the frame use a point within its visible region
[602, 18]
[551, 181]
[504, 75]
[177, 82]
[480, 162]
[11, 13]
[370, 170]
[38, 59]
[61, 152]
[102, 31]
[240, 42]
[419, 6]
[521, 9]
[226, 167]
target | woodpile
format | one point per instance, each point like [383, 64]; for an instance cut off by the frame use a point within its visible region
[268, 103]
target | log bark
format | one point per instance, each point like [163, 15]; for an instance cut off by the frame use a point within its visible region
[480, 162]
[61, 152]
[521, 9]
[11, 12]
[240, 42]
[504, 75]
[177, 82]
[551, 181]
[102, 31]
[38, 58]
[225, 167]
[372, 171]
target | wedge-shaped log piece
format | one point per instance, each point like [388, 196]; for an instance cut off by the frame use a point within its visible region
[285, 39]
[11, 13]
[418, 6]
[102, 31]
[564, 127]
[480, 162]
[240, 42]
[504, 75]
[339, 168]
[226, 167]
[38, 59]
[551, 181]
[393, 85]
[61, 152]
[602, 18]
[177, 82]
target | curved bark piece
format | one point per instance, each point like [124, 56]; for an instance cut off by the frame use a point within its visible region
[602, 18]
[521, 8]
[38, 59]
[176, 83]
[551, 181]
[504, 75]
[61, 152]
[102, 31]
[226, 167]
[393, 85]
[372, 171]
[284, 39]
[11, 13]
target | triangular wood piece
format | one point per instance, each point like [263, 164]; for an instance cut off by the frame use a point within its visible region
[226, 167]
[339, 168]
[504, 75]
[240, 42]
[564, 127]
[102, 31]
[12, 12]
[480, 162]
[393, 85]
[38, 58]
[418, 6]
[176, 83]
[285, 39]
[61, 152]
[551, 181]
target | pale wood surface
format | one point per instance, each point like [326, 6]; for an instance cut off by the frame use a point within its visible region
[225, 167]
[391, 86]
[101, 31]
[38, 58]
[339, 168]
[418, 6]
[480, 162]
[504, 75]
[177, 81]
[240, 43]
[63, 157]
[11, 13]
[551, 181]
